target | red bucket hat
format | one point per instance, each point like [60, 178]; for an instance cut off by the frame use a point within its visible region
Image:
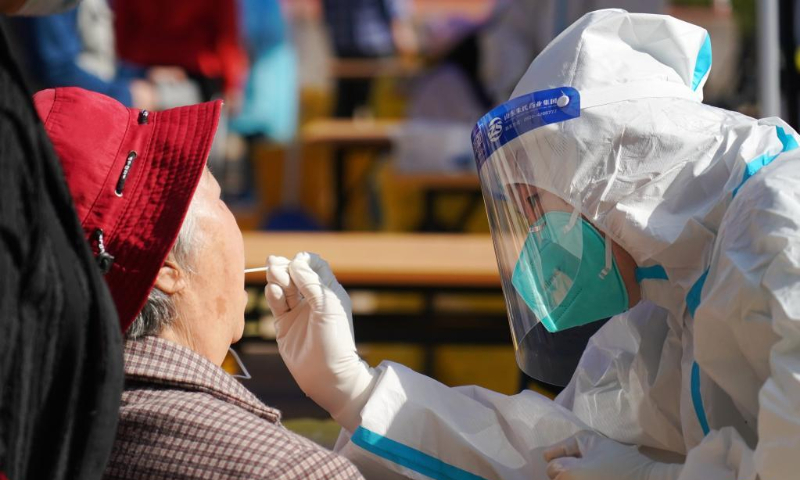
[132, 174]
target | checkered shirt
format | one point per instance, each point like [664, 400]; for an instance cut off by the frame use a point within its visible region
[182, 417]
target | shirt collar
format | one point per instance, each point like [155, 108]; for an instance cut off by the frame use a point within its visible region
[158, 361]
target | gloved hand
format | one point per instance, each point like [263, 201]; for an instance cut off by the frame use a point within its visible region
[314, 332]
[590, 456]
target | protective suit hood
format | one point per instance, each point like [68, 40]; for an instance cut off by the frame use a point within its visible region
[614, 48]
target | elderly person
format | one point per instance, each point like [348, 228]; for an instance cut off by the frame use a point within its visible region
[173, 259]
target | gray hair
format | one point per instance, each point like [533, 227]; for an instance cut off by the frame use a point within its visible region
[159, 311]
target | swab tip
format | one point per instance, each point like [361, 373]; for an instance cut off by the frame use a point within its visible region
[259, 269]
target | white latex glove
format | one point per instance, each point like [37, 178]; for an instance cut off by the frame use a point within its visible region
[314, 331]
[590, 456]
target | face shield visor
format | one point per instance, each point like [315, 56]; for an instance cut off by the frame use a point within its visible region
[558, 273]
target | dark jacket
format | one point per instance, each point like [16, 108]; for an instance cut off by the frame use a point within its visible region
[60, 344]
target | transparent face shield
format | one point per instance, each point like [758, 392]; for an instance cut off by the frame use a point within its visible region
[558, 274]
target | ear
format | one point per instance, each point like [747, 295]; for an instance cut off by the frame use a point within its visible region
[171, 279]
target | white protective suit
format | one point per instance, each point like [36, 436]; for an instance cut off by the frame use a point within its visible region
[707, 203]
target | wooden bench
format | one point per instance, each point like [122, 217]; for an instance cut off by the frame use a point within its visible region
[432, 266]
[341, 135]
[439, 186]
[386, 259]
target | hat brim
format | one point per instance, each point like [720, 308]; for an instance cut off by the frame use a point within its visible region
[171, 170]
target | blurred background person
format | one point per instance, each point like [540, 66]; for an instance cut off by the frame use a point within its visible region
[270, 102]
[172, 41]
[495, 52]
[200, 37]
[364, 29]
[745, 77]
[269, 112]
[76, 48]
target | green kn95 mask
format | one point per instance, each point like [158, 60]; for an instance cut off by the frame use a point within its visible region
[566, 274]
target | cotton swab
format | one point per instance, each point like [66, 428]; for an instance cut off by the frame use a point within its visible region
[259, 269]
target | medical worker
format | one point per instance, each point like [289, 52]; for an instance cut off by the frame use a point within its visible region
[611, 190]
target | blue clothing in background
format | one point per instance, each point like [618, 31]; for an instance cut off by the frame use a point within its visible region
[270, 101]
[52, 45]
[263, 24]
[361, 28]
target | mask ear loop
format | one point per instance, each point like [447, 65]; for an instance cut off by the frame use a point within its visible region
[235, 356]
[572, 220]
[609, 259]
